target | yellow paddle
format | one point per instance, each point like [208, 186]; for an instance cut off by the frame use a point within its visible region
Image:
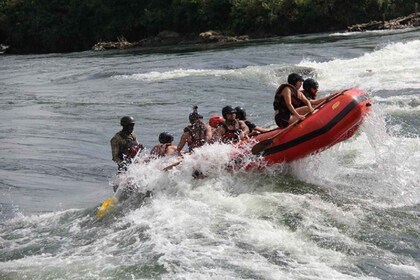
[106, 206]
[111, 202]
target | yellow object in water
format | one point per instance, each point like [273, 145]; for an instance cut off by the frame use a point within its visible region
[106, 206]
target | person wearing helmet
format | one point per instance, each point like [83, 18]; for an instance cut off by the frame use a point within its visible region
[196, 134]
[124, 145]
[253, 129]
[231, 130]
[289, 103]
[215, 121]
[310, 90]
[165, 148]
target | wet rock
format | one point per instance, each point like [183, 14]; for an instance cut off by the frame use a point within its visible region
[3, 48]
[166, 37]
[122, 43]
[215, 37]
[410, 21]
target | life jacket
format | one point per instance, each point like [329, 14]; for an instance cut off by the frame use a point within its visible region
[232, 131]
[128, 146]
[198, 133]
[279, 102]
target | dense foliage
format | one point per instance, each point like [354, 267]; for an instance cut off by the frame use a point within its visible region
[74, 25]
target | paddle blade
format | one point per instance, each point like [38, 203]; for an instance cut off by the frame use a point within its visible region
[169, 167]
[259, 147]
[106, 206]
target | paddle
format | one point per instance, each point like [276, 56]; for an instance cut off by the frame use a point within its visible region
[106, 206]
[111, 202]
[169, 167]
[261, 146]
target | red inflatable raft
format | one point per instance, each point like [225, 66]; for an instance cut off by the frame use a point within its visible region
[335, 120]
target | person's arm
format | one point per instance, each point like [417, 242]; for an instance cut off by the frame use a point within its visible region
[261, 129]
[318, 101]
[155, 150]
[115, 149]
[244, 130]
[138, 145]
[134, 136]
[209, 133]
[287, 95]
[220, 131]
[306, 101]
[182, 142]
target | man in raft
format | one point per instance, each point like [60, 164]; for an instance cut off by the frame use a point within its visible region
[231, 130]
[196, 134]
[165, 147]
[310, 90]
[290, 104]
[124, 145]
[214, 123]
[253, 128]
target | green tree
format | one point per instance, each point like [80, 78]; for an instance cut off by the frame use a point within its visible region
[74, 25]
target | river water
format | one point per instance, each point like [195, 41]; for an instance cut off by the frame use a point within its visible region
[350, 212]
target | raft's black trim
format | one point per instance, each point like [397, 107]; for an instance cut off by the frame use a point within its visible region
[319, 131]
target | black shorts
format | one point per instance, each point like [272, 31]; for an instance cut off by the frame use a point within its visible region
[282, 119]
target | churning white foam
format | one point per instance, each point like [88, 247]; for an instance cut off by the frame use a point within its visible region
[374, 165]
[155, 76]
[385, 31]
[258, 74]
[209, 232]
[392, 67]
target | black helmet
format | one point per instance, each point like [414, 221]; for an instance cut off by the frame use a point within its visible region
[127, 120]
[240, 113]
[165, 138]
[310, 83]
[294, 78]
[228, 110]
[194, 115]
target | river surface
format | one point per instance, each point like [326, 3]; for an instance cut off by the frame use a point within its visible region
[350, 212]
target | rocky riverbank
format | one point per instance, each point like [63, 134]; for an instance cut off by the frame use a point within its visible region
[410, 21]
[165, 38]
[3, 48]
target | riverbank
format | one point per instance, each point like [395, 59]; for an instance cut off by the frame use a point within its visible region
[409, 21]
[166, 38]
[3, 48]
[172, 38]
